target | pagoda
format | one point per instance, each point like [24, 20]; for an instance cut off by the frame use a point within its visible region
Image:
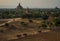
[57, 9]
[19, 6]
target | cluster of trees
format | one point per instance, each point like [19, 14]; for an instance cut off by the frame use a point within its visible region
[33, 14]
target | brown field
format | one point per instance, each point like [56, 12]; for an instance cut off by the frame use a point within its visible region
[2, 22]
[50, 36]
[31, 32]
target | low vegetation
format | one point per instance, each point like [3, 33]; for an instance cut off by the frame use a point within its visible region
[1, 31]
[37, 20]
[24, 24]
[6, 24]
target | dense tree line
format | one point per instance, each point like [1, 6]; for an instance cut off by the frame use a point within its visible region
[4, 14]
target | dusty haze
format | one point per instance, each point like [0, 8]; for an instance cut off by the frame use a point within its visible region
[30, 3]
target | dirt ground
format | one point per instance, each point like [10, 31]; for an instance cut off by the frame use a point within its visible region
[50, 36]
[9, 33]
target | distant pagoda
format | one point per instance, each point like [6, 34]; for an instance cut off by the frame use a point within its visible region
[57, 9]
[19, 7]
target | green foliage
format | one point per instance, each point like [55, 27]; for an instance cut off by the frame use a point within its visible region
[13, 13]
[56, 14]
[45, 17]
[24, 24]
[43, 24]
[57, 21]
[27, 16]
[36, 15]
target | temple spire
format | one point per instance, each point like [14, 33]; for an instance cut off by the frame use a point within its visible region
[19, 6]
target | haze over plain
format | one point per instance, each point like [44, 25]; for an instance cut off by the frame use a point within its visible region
[30, 3]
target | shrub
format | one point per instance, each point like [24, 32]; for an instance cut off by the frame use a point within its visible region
[44, 26]
[18, 36]
[57, 21]
[25, 34]
[39, 31]
[6, 24]
[44, 17]
[30, 21]
[1, 31]
[24, 24]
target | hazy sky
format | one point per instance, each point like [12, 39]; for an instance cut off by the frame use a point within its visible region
[30, 3]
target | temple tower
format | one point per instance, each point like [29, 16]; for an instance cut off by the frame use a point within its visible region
[19, 7]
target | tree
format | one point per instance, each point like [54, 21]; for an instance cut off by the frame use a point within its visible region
[57, 21]
[43, 25]
[45, 17]
[56, 14]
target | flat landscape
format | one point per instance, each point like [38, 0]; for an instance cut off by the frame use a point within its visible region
[50, 36]
[16, 30]
[29, 20]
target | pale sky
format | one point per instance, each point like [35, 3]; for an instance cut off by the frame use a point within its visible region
[30, 3]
